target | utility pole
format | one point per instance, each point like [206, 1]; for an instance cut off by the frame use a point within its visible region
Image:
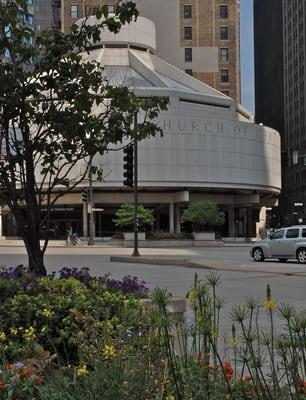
[136, 219]
[90, 208]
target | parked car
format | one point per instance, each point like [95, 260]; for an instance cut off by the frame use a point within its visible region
[283, 243]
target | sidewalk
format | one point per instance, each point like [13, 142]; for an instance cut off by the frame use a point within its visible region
[230, 257]
[62, 243]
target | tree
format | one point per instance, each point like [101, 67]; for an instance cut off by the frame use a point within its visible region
[203, 214]
[56, 113]
[125, 216]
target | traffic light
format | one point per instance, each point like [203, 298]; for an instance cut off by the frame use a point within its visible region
[84, 196]
[128, 167]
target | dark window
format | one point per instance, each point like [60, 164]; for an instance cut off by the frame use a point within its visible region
[224, 54]
[223, 33]
[292, 233]
[223, 11]
[277, 235]
[187, 11]
[188, 71]
[188, 33]
[188, 54]
[74, 11]
[304, 233]
[224, 75]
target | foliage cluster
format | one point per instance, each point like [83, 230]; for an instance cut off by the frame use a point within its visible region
[125, 216]
[203, 215]
[57, 112]
[67, 313]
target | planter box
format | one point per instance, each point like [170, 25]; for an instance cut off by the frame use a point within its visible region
[130, 236]
[204, 236]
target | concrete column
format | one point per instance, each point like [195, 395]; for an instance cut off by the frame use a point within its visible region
[85, 220]
[231, 222]
[261, 231]
[157, 223]
[177, 217]
[171, 217]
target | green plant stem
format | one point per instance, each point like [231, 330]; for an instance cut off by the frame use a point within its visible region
[274, 375]
[258, 371]
[220, 363]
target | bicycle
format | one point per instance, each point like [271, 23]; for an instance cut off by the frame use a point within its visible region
[73, 240]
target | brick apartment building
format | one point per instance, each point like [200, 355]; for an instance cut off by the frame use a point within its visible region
[201, 37]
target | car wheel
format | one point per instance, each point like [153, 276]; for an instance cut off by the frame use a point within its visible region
[282, 259]
[301, 255]
[258, 254]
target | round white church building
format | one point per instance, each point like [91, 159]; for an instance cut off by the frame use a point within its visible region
[210, 149]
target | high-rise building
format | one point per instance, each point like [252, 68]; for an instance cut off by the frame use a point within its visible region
[201, 37]
[47, 15]
[280, 89]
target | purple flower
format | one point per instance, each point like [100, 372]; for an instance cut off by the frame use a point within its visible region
[19, 365]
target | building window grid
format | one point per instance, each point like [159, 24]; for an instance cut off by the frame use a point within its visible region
[224, 75]
[111, 8]
[74, 11]
[224, 54]
[188, 54]
[223, 11]
[223, 33]
[187, 33]
[187, 11]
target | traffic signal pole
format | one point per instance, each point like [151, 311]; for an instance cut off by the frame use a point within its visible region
[136, 219]
[90, 209]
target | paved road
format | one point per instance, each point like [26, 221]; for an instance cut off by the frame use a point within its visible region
[236, 285]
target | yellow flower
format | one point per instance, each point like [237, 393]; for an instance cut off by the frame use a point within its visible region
[193, 295]
[109, 325]
[270, 305]
[82, 371]
[46, 313]
[108, 352]
[234, 342]
[14, 331]
[2, 336]
[29, 334]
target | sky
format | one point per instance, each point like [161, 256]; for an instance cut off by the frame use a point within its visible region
[247, 54]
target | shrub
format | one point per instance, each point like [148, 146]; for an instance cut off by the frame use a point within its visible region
[203, 215]
[66, 313]
[125, 216]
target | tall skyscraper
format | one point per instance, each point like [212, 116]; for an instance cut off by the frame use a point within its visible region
[201, 37]
[280, 89]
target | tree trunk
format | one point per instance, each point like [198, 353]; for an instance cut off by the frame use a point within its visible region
[35, 257]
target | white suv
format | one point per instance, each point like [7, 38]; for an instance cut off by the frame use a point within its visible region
[284, 243]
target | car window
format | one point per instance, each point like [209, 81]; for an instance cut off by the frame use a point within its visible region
[303, 232]
[292, 233]
[278, 234]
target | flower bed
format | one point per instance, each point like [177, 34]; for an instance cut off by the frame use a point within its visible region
[105, 344]
[67, 313]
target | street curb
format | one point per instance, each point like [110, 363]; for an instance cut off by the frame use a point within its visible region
[191, 264]
[150, 261]
[163, 261]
